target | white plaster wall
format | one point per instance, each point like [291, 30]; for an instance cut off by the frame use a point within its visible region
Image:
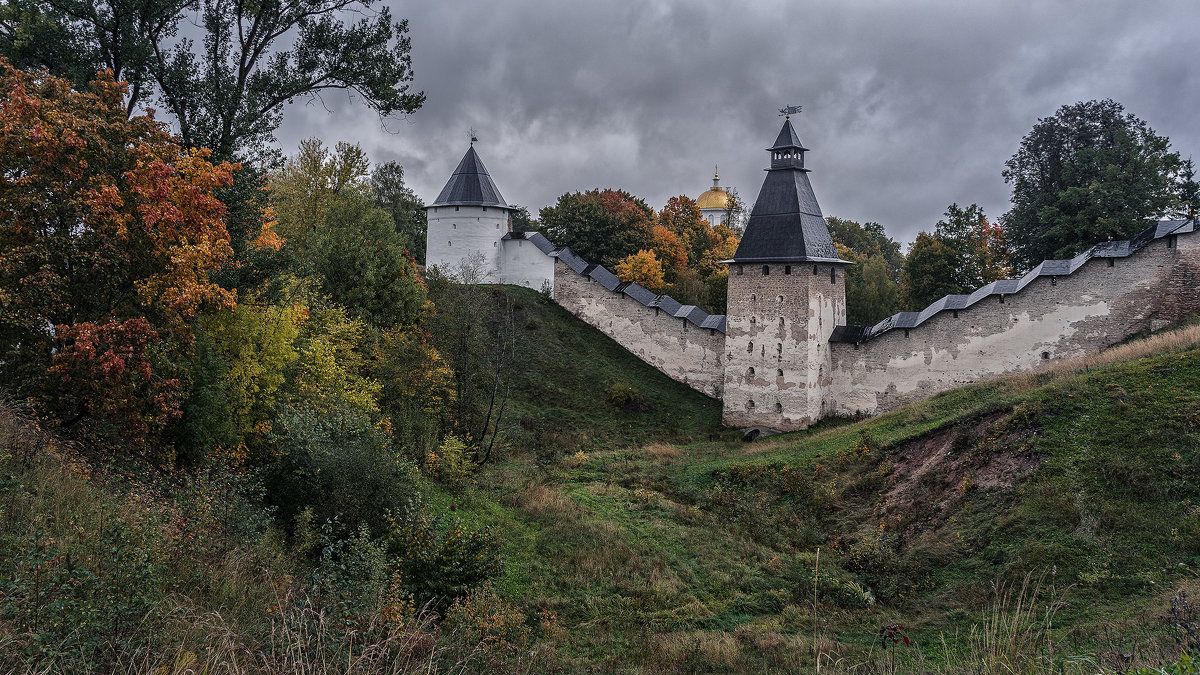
[1074, 315]
[523, 264]
[681, 350]
[455, 232]
[809, 305]
[713, 216]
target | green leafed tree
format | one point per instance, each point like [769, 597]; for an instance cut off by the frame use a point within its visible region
[228, 91]
[929, 271]
[406, 208]
[601, 226]
[871, 289]
[1091, 172]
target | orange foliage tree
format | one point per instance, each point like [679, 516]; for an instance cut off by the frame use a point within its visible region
[109, 231]
[642, 268]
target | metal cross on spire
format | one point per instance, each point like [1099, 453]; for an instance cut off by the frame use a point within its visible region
[789, 110]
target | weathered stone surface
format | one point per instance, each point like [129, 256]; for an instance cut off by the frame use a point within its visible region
[1057, 318]
[680, 349]
[778, 361]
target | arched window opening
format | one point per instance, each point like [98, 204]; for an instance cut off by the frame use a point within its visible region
[781, 322]
[814, 270]
[750, 347]
[787, 269]
[779, 372]
[766, 270]
[750, 404]
[750, 371]
[778, 407]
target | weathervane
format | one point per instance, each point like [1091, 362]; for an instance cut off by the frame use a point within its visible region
[789, 110]
[473, 138]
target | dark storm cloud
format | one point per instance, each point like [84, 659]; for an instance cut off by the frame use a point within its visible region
[908, 106]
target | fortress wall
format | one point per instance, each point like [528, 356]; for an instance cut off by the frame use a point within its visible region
[523, 264]
[683, 351]
[1093, 308]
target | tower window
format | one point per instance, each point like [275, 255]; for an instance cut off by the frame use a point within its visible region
[779, 348]
[753, 297]
[779, 372]
[779, 299]
[750, 404]
[778, 407]
[750, 371]
[449, 243]
[832, 274]
[485, 209]
[750, 347]
[1111, 262]
[739, 270]
[454, 226]
[787, 269]
[752, 321]
[781, 322]
[766, 270]
[456, 208]
[814, 270]
[497, 226]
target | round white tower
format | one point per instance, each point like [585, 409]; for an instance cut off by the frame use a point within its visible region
[467, 222]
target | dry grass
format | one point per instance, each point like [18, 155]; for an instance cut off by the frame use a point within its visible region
[662, 452]
[1177, 340]
[546, 501]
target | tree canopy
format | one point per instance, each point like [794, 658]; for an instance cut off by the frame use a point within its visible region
[1089, 173]
[601, 226]
[227, 95]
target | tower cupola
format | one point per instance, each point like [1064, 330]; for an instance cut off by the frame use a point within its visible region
[786, 224]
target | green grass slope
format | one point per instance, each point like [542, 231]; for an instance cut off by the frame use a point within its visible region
[711, 556]
[564, 371]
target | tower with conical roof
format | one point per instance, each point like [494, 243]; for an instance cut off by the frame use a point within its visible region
[467, 223]
[787, 292]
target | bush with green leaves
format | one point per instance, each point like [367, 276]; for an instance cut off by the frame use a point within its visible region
[339, 465]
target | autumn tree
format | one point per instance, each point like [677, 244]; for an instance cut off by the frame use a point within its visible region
[110, 232]
[228, 93]
[980, 247]
[643, 268]
[1089, 173]
[601, 226]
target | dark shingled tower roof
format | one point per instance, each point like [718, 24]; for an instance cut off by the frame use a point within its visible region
[470, 185]
[786, 224]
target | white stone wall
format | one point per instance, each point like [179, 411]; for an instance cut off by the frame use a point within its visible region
[778, 362]
[523, 264]
[680, 349]
[456, 232]
[1093, 308]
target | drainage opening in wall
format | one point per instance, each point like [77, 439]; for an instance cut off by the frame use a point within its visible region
[1045, 356]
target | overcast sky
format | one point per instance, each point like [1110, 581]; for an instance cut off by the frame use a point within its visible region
[908, 106]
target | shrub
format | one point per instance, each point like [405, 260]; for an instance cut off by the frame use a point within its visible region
[623, 394]
[439, 559]
[339, 465]
[450, 463]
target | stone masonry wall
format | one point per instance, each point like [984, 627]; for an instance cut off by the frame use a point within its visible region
[1051, 318]
[683, 351]
[777, 343]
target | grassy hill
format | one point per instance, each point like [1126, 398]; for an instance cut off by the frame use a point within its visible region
[1035, 523]
[1030, 521]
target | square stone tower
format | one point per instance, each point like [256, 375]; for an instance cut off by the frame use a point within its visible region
[787, 292]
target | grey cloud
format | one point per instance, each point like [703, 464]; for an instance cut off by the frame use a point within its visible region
[908, 106]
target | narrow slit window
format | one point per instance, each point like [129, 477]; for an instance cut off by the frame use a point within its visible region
[766, 270]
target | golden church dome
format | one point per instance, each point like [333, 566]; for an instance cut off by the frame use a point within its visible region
[715, 197]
